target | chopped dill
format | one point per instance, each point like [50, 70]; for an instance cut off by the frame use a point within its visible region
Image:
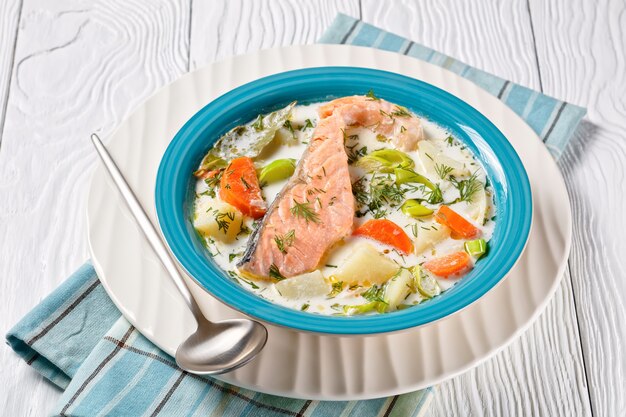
[245, 183]
[305, 211]
[354, 154]
[443, 170]
[370, 94]
[224, 219]
[238, 278]
[307, 124]
[287, 125]
[375, 293]
[285, 241]
[275, 273]
[401, 112]
[435, 196]
[213, 182]
[467, 187]
[305, 307]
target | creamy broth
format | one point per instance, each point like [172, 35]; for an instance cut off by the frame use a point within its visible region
[292, 143]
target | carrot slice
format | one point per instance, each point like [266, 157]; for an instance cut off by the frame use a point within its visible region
[387, 232]
[447, 265]
[239, 187]
[461, 228]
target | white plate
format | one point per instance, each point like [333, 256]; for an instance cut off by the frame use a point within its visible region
[306, 365]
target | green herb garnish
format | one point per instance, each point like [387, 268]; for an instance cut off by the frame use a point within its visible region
[224, 219]
[370, 94]
[401, 112]
[287, 125]
[275, 273]
[305, 211]
[285, 241]
[375, 293]
[443, 170]
[467, 187]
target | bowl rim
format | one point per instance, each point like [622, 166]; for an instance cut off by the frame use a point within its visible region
[174, 225]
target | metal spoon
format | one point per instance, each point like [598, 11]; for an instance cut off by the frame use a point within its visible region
[214, 348]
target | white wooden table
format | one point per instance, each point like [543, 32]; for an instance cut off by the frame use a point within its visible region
[70, 67]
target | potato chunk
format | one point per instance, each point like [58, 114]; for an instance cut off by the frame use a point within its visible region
[217, 219]
[431, 156]
[429, 235]
[305, 286]
[366, 266]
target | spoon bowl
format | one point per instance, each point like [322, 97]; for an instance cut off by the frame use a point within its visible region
[221, 347]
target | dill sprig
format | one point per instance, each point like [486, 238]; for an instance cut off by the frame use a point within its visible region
[370, 94]
[305, 211]
[467, 187]
[285, 241]
[354, 154]
[238, 278]
[275, 272]
[213, 182]
[435, 196]
[224, 219]
[443, 170]
[287, 125]
[383, 190]
[401, 112]
[245, 183]
[375, 293]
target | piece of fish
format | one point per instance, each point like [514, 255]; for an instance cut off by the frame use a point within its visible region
[316, 207]
[388, 119]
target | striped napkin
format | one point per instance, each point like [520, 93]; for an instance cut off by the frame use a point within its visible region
[78, 340]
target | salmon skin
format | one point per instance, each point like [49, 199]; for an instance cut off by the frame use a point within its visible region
[315, 209]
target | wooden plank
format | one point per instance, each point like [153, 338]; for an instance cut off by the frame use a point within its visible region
[541, 373]
[78, 68]
[580, 49]
[9, 20]
[223, 28]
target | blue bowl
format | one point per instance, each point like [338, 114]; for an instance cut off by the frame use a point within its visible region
[174, 190]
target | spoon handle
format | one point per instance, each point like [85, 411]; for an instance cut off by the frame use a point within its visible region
[144, 223]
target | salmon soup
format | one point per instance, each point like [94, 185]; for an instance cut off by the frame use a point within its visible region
[352, 206]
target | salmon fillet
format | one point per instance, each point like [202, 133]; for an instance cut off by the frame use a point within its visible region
[316, 204]
[315, 209]
[386, 118]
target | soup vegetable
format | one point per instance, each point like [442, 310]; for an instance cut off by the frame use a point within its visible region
[352, 206]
